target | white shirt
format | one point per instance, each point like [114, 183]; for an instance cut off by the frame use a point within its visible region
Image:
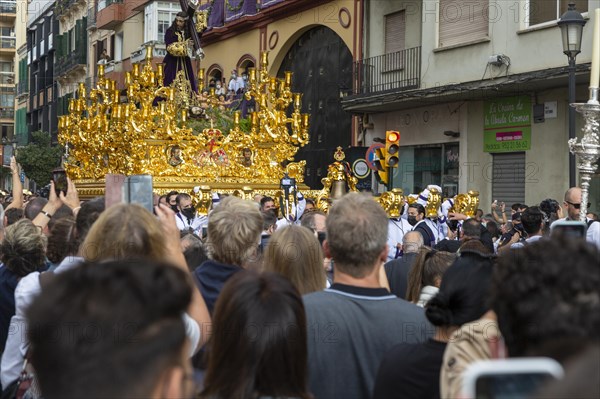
[396, 230]
[196, 224]
[528, 241]
[17, 344]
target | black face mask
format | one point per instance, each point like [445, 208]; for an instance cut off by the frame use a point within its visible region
[412, 220]
[188, 213]
[174, 208]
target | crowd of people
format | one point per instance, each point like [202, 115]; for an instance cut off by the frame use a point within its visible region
[246, 303]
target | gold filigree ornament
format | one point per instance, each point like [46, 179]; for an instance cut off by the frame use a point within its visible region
[130, 132]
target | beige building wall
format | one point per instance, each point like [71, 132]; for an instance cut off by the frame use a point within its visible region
[529, 49]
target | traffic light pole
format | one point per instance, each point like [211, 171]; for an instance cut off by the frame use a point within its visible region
[390, 184]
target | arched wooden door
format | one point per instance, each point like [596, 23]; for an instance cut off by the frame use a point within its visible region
[322, 66]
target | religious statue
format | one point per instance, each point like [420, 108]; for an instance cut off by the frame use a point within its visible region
[177, 61]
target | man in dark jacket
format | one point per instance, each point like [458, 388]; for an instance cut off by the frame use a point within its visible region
[397, 270]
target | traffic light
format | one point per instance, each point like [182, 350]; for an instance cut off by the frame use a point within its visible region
[392, 147]
[382, 175]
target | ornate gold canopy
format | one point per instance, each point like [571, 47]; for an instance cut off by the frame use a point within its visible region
[144, 130]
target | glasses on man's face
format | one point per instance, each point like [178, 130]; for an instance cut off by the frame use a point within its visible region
[577, 206]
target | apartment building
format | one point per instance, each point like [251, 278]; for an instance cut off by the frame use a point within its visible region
[71, 54]
[8, 47]
[42, 31]
[478, 90]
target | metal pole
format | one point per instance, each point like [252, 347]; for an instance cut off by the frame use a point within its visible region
[390, 184]
[572, 178]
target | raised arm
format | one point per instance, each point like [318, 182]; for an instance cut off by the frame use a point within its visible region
[17, 186]
[197, 309]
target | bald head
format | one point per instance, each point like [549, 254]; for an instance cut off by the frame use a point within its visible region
[573, 202]
[412, 242]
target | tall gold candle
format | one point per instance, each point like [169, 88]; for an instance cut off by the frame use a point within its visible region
[252, 75]
[160, 73]
[101, 71]
[116, 96]
[183, 115]
[297, 100]
[264, 59]
[305, 120]
[201, 73]
[136, 70]
[236, 118]
[82, 93]
[288, 78]
[254, 118]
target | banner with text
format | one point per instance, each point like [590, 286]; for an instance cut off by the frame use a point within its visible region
[507, 124]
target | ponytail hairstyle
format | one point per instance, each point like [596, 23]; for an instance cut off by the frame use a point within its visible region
[463, 292]
[429, 266]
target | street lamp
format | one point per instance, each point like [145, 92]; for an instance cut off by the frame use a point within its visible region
[571, 25]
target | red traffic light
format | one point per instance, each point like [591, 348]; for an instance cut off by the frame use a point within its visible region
[393, 136]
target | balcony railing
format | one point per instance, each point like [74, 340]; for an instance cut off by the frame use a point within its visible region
[389, 72]
[70, 61]
[8, 7]
[8, 42]
[22, 88]
[7, 113]
[91, 17]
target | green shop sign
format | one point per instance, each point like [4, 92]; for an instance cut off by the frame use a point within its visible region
[507, 124]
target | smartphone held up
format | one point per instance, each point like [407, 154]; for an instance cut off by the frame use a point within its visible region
[59, 177]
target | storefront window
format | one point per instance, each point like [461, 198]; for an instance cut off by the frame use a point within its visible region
[421, 166]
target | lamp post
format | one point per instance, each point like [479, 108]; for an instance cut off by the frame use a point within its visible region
[571, 25]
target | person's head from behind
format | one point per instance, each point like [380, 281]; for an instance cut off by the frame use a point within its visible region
[314, 220]
[124, 231]
[61, 240]
[356, 235]
[295, 253]
[514, 208]
[463, 292]
[546, 297]
[532, 220]
[493, 229]
[471, 229]
[479, 214]
[34, 207]
[13, 215]
[428, 269]
[114, 329]
[259, 344]
[412, 242]
[23, 249]
[234, 229]
[88, 214]
[269, 222]
[193, 250]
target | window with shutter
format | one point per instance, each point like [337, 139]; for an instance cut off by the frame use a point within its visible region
[395, 30]
[541, 11]
[462, 21]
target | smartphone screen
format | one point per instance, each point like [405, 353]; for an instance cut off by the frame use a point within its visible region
[510, 386]
[570, 229]
[137, 189]
[59, 177]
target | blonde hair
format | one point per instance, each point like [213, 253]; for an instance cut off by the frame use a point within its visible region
[125, 231]
[23, 248]
[234, 229]
[295, 253]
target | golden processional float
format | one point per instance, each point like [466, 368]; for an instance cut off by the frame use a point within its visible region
[107, 133]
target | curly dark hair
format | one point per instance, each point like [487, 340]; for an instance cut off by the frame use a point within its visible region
[547, 297]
